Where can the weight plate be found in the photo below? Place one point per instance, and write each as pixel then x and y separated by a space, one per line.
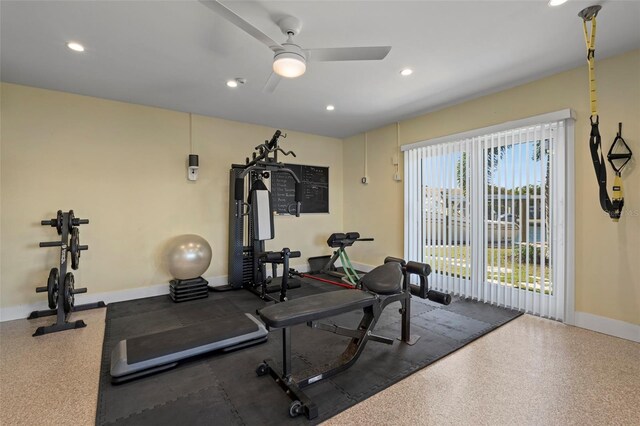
pixel 69 298
pixel 59 222
pixel 75 248
pixel 71 217
pixel 52 287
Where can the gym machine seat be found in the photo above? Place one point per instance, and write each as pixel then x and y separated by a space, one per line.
pixel 275 283
pixel 382 286
pixel 144 355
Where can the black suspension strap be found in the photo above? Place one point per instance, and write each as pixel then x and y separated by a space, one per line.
pixel 614 205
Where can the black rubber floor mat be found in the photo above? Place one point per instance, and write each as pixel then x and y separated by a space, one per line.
pixel 224 388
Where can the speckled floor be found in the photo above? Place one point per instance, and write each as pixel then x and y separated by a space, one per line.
pixel 530 371
pixel 50 379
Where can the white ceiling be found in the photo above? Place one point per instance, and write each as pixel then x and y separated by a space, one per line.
pixel 179 54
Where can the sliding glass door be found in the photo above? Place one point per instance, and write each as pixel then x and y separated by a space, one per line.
pixel 487 213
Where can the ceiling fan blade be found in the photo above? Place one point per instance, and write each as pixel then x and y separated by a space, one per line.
pixel 372 53
pixel 239 22
pixel 271 83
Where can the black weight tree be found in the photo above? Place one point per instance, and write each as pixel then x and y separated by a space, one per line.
pixel 61 295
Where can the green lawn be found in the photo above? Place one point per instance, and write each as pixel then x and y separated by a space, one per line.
pixel 453 260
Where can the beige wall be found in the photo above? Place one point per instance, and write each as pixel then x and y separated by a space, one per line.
pixel 129 165
pixel 375 209
pixel 607 254
pixel 123 166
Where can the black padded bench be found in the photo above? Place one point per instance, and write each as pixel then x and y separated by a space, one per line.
pixel 385 284
pixel 315 307
pixel 340 239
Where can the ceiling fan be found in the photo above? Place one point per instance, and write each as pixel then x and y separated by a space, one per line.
pixel 289 59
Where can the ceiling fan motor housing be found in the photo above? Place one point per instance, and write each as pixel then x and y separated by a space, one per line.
pixel 291 49
pixel 290 25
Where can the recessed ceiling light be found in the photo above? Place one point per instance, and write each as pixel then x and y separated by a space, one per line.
pixel 236 82
pixel 405 72
pixel 557 2
pixel 330 107
pixel 75 46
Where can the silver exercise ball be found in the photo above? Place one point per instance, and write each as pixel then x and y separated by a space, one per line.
pixel 189 256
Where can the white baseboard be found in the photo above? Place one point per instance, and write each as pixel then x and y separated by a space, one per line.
pixel 592 322
pixel 612 327
pixel 218 281
pixel 22 311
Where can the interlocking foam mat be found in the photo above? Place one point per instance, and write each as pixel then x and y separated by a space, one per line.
pixel 224 388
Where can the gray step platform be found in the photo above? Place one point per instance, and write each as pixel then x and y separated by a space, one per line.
pixel 143 355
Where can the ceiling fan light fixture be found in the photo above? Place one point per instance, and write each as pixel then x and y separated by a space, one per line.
pixel 557 2
pixel 406 72
pixel 289 64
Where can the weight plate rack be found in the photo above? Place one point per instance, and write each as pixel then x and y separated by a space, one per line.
pixel 60 286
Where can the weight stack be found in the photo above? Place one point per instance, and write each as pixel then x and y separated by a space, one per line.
pixel 191 289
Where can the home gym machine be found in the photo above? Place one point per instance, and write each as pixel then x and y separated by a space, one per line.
pixel 326 265
pixel 251 223
pixel 62 300
pixel 378 289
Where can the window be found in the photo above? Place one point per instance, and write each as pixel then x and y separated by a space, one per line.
pixel 487 210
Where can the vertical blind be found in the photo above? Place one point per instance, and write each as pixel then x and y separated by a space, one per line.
pixel 487 213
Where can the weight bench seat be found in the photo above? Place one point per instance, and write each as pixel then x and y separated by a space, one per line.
pixel 385 279
pixel 315 307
